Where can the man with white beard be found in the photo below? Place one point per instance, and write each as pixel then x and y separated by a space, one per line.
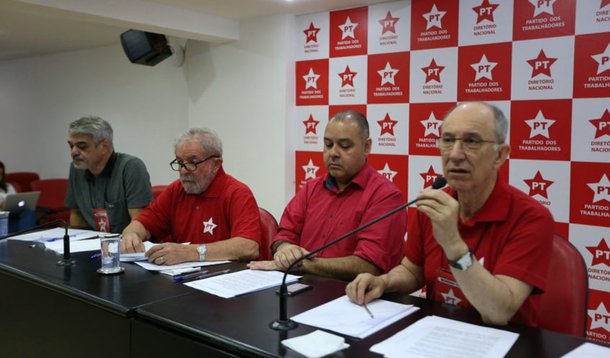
pixel 206 207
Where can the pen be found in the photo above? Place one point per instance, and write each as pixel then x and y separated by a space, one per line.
pixel 199 275
pixel 367 310
pixel 95 256
pixel 190 276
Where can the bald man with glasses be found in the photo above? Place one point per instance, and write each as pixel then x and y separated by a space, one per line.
pixel 480 242
pixel 207 208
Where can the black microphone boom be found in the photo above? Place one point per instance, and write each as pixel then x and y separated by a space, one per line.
pixel 284 323
pixel 66 260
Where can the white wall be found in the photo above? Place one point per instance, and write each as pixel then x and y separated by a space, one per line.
pixel 240 90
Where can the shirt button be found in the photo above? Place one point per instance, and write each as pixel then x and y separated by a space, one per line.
pixel 330 215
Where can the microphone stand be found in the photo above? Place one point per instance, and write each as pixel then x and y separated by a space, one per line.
pixel 284 323
pixel 65 261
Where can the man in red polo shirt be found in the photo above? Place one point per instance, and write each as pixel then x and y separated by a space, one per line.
pixel 207 208
pixel 351 194
pixel 480 242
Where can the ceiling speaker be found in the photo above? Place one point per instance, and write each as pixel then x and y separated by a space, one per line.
pixel 145 48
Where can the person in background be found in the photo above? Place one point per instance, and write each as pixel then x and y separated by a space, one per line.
pixel 351 194
pixel 18 221
pixel 480 242
pixel 106 189
pixel 205 215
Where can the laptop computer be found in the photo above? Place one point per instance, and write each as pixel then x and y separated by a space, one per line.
pixel 21 201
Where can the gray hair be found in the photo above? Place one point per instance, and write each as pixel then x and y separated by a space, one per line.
pixel 209 140
pixel 94 126
pixel 500 121
pixel 356 117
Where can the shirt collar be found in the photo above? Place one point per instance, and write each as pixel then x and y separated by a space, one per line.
pixel 359 180
pixel 495 208
pixel 107 171
pixel 217 185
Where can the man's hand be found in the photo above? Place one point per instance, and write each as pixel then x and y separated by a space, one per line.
pixel 286 254
pixel 171 253
pixel 443 211
pixel 269 265
pixel 365 288
pixel 131 243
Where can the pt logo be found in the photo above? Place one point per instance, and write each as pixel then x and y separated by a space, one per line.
pixel 347 77
pixel 312 33
pixel 433 71
pixel 429 177
pixel 347 29
pixel 483 68
pixel 602 125
pixel 310 125
pixel 387 125
pixel 600 317
pixel 311 170
pixel 603 60
pixel 541 64
pixel 601 253
pixel 388 23
pixel 543 6
pixel 538 185
pixel 451 298
pixel 432 126
pixel 485 11
pixel 311 79
pixel 433 18
pixel 601 189
pixel 209 226
pixel 540 125
pixel 387 75
pixel 387 172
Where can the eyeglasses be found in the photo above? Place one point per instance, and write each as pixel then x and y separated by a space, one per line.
pixel 471 143
pixel 189 166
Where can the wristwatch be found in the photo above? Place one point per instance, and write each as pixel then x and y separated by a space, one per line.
pixel 463 263
pixel 201 249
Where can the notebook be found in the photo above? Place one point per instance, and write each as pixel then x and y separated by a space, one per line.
pixel 21 201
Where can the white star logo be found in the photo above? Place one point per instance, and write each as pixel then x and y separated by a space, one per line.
pixel 209 226
pixel 450 297
pixel 387 74
pixel 387 172
pixel 311 79
pixel 601 190
pixel 432 126
pixel 348 29
pixel 603 60
pixel 310 170
pixel 542 6
pixel 600 317
pixel 434 18
pixel 483 68
pixel 540 125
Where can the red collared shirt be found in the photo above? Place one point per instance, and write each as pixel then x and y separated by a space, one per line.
pixel 320 213
pixel 510 235
pixel 226 209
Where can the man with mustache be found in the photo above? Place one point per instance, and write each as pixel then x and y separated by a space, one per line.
pixel 207 208
pixel 351 194
pixel 480 242
pixel 106 189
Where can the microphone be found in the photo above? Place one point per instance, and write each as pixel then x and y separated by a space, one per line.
pixel 284 323
pixel 66 261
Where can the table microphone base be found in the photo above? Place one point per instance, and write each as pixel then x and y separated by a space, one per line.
pixel 64 262
pixel 281 325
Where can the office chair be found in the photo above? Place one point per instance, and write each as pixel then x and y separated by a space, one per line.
pixel 23 179
pixel 51 202
pixel 563 305
pixel 268 229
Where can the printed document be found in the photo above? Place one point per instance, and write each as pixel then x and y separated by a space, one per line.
pixel 240 282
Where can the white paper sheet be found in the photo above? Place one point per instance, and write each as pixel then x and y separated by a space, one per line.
pixel 241 282
pixel 75 246
pixel 152 267
pixel 589 350
pixel 433 336
pixel 344 316
pixel 316 344
pixel 57 234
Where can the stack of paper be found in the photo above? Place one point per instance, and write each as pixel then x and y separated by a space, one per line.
pixel 241 282
pixel 344 316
